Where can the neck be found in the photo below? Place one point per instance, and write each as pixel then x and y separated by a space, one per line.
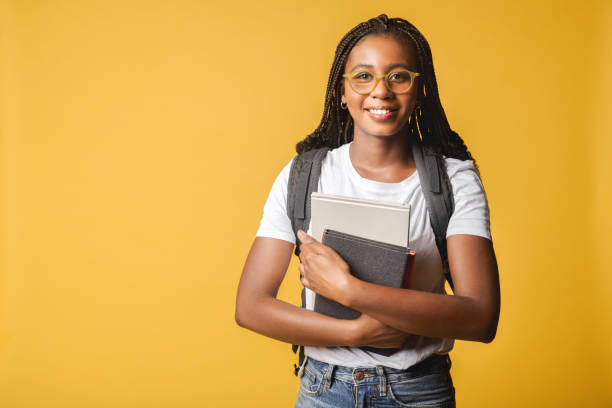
pixel 380 151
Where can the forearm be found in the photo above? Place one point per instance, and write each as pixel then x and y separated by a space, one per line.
pixel 471 314
pixel 423 313
pixel 285 322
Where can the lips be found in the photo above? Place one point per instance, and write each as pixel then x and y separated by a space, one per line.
pixel 381 110
pixel 382 113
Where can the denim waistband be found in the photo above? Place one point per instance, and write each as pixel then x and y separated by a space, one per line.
pixel 362 375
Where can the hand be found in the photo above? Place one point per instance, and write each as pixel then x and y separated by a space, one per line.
pixel 322 269
pixel 371 332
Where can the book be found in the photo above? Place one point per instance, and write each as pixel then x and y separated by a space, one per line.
pixel 371 261
pixel 373 239
pixel 378 220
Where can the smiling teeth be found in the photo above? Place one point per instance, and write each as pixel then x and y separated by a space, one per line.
pixel 380 111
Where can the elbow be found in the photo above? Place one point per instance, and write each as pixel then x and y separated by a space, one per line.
pixel 483 327
pixel 246 312
pixel 241 315
pixel 488 329
pixel 488 336
pixel 238 317
pixel 481 334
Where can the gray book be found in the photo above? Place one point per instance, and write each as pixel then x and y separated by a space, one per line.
pixel 371 261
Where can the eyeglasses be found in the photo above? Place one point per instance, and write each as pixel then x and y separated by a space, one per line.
pixel 398 81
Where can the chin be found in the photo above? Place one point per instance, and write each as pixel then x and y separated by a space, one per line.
pixel 382 132
pixel 381 129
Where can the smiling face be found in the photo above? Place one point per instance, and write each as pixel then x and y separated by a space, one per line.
pixel 380 113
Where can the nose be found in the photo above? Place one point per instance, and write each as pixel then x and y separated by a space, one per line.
pixel 381 91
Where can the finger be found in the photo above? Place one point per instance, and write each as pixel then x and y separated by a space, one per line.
pixel 306 258
pixel 304 252
pixel 313 247
pixel 305 238
pixel 310 241
pixel 305 249
pixel 303 277
pixel 305 282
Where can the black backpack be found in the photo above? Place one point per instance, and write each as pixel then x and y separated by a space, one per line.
pixel 431 168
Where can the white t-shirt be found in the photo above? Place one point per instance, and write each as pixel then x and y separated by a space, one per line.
pixel 339 177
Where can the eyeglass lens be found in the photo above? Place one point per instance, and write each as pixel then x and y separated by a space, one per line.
pixel 397 81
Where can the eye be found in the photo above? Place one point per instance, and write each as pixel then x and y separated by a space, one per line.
pixel 399 76
pixel 362 76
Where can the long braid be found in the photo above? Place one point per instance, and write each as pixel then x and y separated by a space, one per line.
pixel 428 122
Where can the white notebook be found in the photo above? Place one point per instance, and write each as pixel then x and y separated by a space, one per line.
pixel 378 220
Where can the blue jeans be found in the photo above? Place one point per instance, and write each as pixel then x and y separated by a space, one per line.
pixel 426 384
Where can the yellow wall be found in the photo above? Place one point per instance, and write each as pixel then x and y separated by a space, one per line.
pixel 139 141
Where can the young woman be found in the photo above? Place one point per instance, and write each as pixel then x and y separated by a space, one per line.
pixel 381 97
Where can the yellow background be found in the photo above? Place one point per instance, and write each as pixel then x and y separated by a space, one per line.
pixel 139 141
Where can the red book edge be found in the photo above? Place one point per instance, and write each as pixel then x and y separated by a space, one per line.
pixel 409 270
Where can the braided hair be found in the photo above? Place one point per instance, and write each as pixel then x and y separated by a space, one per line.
pixel 427 123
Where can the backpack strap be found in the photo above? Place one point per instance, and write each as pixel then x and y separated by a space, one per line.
pixel 303 180
pixel 438 193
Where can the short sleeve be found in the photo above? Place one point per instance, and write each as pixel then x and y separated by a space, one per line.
pixel 275 222
pixel 471 214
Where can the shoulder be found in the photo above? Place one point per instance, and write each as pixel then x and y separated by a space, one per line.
pixel 471 209
pixel 279 186
pixel 329 157
pixel 463 173
pixel 454 166
pixel 275 222
pixel 284 173
pixel 278 191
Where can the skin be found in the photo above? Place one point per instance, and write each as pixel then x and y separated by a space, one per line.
pixel 389 315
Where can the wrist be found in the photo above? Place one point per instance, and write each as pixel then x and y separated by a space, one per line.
pixel 348 289
pixel 353 333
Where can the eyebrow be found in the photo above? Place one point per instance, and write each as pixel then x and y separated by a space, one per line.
pixel 388 67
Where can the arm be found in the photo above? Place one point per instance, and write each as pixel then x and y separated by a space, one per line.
pixel 258 309
pixel 471 314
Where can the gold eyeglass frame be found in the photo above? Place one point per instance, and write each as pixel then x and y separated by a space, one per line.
pixel 377 78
